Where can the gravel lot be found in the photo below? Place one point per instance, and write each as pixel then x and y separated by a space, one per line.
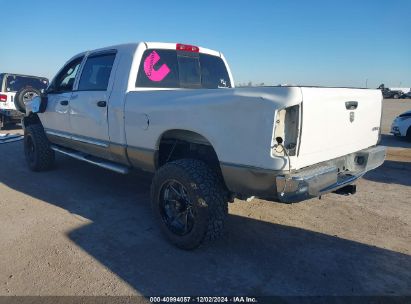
pixel 82 230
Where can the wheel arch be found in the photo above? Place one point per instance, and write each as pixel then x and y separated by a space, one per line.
pixel 181 136
pixel 30 120
pixel 177 144
pixel 184 134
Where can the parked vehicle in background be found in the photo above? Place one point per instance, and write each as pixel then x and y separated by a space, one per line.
pixel 15 91
pixel 406 95
pixel 387 93
pixel 172 109
pixel 401 126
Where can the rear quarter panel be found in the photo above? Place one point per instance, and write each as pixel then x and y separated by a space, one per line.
pixel 237 122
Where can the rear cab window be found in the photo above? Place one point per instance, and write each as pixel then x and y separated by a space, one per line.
pixel 165 68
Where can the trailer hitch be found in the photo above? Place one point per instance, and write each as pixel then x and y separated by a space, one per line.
pixel 347 190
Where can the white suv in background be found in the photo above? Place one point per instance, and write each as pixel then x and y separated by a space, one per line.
pixel 401 126
pixel 15 91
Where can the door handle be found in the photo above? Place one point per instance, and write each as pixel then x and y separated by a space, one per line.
pixel 101 104
pixel 351 105
pixel 64 102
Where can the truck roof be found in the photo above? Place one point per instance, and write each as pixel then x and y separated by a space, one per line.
pixel 150 45
pixel 137 49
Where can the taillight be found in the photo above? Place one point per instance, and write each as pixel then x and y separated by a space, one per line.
pixel 187 48
pixel 287 128
pixel 3 97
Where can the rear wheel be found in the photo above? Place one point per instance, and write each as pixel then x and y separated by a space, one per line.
pixel 39 155
pixel 189 202
pixel 396 96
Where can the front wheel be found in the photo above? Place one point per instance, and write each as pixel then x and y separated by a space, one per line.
pixel 39 155
pixel 188 200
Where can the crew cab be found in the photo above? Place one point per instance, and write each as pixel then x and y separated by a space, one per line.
pixel 15 91
pixel 172 109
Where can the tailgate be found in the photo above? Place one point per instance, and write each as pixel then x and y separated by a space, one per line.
pixel 336 122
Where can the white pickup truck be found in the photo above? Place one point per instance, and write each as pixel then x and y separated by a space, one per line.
pixel 172 109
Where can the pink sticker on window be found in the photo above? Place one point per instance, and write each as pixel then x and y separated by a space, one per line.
pixel 152 74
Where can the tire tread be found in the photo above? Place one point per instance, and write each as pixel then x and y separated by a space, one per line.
pixel 210 189
pixel 45 155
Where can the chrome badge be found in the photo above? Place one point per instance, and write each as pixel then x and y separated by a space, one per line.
pixel 352 116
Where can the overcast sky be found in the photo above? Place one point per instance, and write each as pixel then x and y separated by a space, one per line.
pixel 316 42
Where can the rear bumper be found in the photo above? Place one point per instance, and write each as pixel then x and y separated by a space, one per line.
pixel 313 182
pixel 306 183
pixel 11 114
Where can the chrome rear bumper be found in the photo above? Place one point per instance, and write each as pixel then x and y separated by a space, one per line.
pixel 329 176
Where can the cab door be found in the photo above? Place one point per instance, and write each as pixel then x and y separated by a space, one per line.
pixel 89 104
pixel 56 118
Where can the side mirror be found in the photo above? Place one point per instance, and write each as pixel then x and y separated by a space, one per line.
pixel 43 103
pixel 37 105
pixel 50 88
pixel 33 105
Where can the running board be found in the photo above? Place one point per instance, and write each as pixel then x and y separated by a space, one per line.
pixel 92 160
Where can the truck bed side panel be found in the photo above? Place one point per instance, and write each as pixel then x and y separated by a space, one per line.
pixel 237 122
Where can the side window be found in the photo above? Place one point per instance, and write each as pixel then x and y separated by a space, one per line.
pixel 96 72
pixel 65 79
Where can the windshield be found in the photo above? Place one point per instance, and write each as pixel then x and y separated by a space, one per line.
pixel 174 69
pixel 16 82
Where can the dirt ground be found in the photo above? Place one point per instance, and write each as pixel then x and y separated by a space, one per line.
pixel 82 230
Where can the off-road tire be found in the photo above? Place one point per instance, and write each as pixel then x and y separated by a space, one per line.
pixel 206 193
pixel 19 99
pixel 39 155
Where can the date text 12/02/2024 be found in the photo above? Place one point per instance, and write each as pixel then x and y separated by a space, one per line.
pixel 203 300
